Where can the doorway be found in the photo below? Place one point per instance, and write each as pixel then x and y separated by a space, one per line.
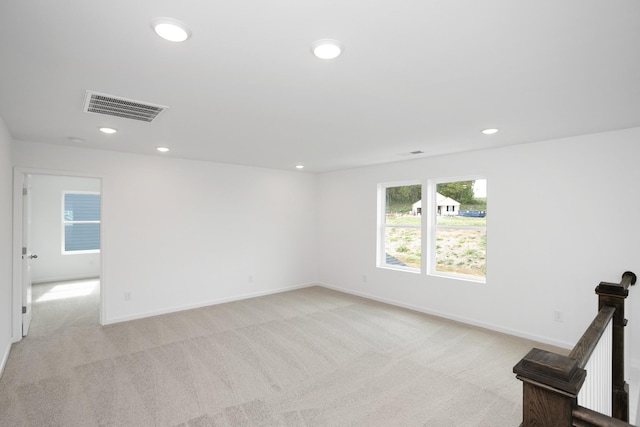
pixel 57 242
pixel 61 306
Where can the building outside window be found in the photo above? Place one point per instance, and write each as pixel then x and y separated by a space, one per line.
pixel 80 222
pixel 458 232
pixel 446 236
pixel 400 232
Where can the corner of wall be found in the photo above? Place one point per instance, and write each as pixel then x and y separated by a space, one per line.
pixel 6 231
pixel 5 357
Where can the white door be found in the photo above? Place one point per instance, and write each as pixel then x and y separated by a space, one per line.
pixel 27 255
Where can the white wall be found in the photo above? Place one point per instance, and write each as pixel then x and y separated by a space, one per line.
pixel 6 212
pixel 540 258
pixel 634 394
pixel 179 233
pixel 46 230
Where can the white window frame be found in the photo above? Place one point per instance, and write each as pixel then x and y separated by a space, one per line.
pixel 428 228
pixel 432 227
pixel 64 222
pixel 382 226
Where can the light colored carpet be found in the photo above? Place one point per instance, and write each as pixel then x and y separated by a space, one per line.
pixel 309 357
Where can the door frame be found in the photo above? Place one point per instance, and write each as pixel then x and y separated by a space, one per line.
pixel 18 179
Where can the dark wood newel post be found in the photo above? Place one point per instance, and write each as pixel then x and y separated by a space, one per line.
pixel 613 295
pixel 550 386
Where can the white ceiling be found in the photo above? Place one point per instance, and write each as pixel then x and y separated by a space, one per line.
pixel 415 75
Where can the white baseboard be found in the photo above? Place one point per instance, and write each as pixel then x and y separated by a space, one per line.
pixel 205 303
pixel 473 322
pixel 5 358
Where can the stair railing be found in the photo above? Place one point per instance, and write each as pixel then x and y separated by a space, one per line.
pixel 587 387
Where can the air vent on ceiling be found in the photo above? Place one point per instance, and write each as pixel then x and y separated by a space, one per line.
pixel 100 103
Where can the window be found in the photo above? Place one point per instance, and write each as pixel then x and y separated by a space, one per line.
pixel 400 236
pixel 459 229
pixel 455 214
pixel 80 223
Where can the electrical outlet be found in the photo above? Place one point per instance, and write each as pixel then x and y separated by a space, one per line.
pixel 558 316
pixel 364 278
pixel 127 296
pixel 250 278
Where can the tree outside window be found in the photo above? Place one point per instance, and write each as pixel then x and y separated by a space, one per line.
pixel 454 213
pixel 402 228
pixel 459 237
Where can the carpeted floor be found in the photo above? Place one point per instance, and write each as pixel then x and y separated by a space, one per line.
pixel 309 357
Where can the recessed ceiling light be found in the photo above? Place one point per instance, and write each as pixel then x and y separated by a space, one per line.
pixel 108 130
pixel 162 149
pixel 170 29
pixel 490 131
pixel 327 49
pixel 299 166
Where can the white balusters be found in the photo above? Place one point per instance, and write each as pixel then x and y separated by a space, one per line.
pixel 595 393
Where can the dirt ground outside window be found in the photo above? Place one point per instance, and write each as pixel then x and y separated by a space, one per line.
pixel 458 250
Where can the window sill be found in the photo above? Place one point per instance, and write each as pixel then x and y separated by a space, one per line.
pixel 80 252
pixel 463 277
pixel 403 269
